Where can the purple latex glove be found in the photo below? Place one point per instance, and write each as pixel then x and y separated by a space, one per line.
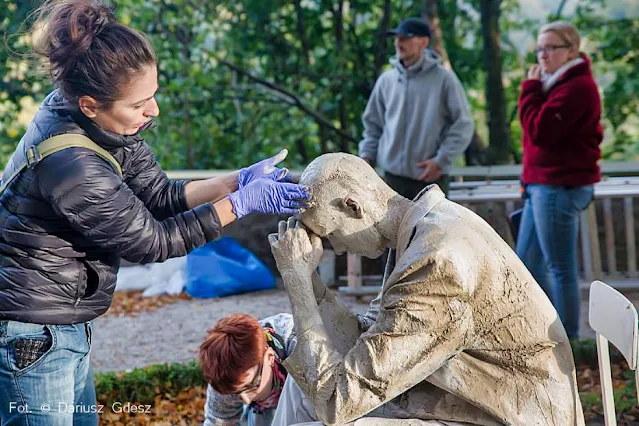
pixel 269 197
pixel 265 168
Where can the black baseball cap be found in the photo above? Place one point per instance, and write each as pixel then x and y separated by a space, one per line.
pixel 411 27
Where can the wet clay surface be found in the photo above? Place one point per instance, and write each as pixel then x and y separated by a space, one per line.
pixel 461 331
pixel 352 206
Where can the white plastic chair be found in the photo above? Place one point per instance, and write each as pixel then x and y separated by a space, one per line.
pixel 614 319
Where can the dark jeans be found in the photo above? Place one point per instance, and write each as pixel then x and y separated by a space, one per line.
pixel 409 188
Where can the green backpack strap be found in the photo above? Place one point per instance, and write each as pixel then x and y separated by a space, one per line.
pixel 57 143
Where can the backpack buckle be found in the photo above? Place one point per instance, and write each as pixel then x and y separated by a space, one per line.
pixel 33 156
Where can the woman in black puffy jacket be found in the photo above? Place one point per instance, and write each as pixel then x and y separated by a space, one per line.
pixel 68 218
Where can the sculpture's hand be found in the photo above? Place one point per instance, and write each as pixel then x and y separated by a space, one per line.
pixel 296 251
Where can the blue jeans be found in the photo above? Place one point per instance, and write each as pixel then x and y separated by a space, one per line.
pixel 547 244
pixel 45 375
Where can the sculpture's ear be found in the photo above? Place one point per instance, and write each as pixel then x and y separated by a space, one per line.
pixel 353 207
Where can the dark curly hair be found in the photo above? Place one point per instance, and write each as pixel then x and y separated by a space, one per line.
pixel 88 51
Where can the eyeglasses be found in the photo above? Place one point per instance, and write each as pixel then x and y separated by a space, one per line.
pixel 255 384
pixel 550 48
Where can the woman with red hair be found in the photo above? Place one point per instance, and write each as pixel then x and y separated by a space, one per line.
pixel 241 359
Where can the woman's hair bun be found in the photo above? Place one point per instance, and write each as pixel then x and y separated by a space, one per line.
pixel 103 17
pixel 88 51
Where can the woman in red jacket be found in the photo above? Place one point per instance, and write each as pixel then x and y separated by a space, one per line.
pixel 560 113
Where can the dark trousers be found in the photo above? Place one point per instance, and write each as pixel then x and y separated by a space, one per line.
pixel 409 188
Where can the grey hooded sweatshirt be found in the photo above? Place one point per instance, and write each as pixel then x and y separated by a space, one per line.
pixel 416 114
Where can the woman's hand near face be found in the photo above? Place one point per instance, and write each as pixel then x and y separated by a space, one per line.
pixel 534 73
pixel 268 196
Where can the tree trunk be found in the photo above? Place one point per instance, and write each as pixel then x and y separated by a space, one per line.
pixel 301 31
pixel 323 138
pixel 338 14
pixel 437 40
pixel 476 153
pixel 560 10
pixel 380 46
pixel 495 96
pixel 301 149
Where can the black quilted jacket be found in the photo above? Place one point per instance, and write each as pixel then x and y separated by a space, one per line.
pixel 66 222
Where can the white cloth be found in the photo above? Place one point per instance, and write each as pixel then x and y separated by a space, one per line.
pixel 167 277
pixel 549 80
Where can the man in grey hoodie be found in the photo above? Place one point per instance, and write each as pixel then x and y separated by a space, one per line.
pixel 417 119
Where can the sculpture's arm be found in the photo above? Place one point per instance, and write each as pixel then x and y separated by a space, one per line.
pixel 423 321
pixel 414 335
pixel 340 323
pixel 311 301
pixel 297 255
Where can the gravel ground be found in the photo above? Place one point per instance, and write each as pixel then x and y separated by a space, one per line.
pixel 174 332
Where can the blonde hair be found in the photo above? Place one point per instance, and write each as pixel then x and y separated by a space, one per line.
pixel 564 30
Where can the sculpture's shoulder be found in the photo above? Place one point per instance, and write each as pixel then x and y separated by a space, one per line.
pixel 443 233
pixel 432 259
pixel 454 242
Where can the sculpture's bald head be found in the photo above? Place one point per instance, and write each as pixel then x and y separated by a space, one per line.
pixel 349 201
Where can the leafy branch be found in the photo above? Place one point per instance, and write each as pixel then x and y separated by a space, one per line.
pixel 286 96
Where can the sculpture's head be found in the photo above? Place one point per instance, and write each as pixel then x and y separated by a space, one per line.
pixel 350 201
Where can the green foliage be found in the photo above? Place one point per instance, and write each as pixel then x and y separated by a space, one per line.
pixel 327 54
pixel 625 401
pixel 590 401
pixel 615 60
pixel 141 385
pixel 626 397
pixel 18 80
pixel 584 352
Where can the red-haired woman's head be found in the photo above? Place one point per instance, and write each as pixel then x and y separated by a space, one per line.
pixel 231 351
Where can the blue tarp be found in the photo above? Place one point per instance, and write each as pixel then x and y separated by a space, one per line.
pixel 223 267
